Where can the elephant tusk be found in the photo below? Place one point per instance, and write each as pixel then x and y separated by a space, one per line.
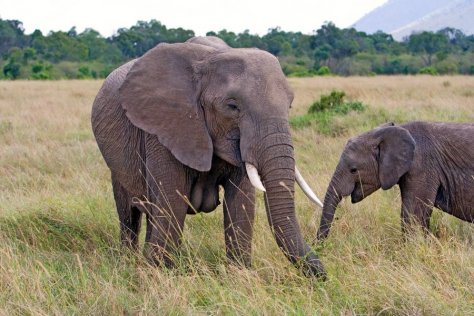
pixel 254 177
pixel 306 189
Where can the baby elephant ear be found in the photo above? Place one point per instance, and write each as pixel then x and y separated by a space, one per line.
pixel 396 151
pixel 160 97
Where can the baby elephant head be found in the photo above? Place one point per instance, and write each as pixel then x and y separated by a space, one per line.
pixel 377 158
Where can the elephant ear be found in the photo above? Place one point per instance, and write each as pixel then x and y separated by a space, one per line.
pixel 160 96
pixel 396 151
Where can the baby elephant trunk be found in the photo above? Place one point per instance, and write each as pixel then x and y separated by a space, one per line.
pixel 338 187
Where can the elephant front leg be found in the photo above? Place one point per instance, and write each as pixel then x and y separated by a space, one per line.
pixel 417 204
pixel 239 214
pixel 168 188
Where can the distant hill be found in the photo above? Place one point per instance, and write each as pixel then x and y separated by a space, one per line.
pixel 403 17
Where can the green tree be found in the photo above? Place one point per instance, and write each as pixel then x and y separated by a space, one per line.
pixel 11 35
pixel 12 67
pixel 144 35
pixel 98 48
pixel 332 45
pixel 278 42
pixel 246 39
pixel 229 37
pixel 427 44
pixel 29 53
pixel 458 41
pixel 59 46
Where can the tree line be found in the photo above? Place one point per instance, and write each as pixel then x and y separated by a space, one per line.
pixel 329 50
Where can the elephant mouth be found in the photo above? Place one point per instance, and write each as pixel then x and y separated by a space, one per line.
pixel 357 193
pixel 356 197
pixel 361 191
pixel 229 151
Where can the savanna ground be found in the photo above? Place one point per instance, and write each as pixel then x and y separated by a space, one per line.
pixel 59 247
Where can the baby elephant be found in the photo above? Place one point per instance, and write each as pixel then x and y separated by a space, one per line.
pixel 433 163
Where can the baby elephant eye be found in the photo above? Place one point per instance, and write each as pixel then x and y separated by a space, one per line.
pixel 353 170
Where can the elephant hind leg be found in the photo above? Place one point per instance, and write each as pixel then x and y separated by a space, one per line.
pixel 129 215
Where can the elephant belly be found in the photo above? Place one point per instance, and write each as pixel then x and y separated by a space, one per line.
pixel 465 213
pixel 460 205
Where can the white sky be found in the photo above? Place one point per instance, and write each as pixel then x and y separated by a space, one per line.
pixel 201 16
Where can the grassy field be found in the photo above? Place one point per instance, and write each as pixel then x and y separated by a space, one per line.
pixel 59 249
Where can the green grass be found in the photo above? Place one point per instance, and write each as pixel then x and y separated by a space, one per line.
pixel 59 247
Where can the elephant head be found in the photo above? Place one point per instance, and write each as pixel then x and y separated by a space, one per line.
pixel 202 98
pixel 375 159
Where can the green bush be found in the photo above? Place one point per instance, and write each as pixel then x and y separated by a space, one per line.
pixel 301 74
pixel 83 72
pixel 428 71
pixel 11 69
pixel 471 70
pixel 324 71
pixel 41 70
pixel 334 102
pixel 328 102
pixel 447 67
pixel 324 111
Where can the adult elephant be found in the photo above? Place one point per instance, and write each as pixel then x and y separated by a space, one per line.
pixel 184 119
pixel 431 162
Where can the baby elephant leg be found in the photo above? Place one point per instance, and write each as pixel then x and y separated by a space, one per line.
pixel 417 204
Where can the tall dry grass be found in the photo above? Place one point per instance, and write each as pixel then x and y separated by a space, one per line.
pixel 59 249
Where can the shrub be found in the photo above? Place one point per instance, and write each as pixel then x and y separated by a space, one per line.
pixel 11 70
pixel 447 67
pixel 301 74
pixel 83 72
pixel 324 111
pixel 471 70
pixel 37 67
pixel 41 70
pixel 324 71
pixel 428 71
pixel 334 102
pixel 326 102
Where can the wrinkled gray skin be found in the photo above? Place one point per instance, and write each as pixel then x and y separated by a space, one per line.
pixel 433 164
pixel 179 122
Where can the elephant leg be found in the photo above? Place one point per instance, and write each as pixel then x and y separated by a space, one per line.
pixel 239 214
pixel 129 216
pixel 168 183
pixel 417 204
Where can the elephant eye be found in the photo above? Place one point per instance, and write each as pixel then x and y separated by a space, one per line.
pixel 232 105
pixel 353 170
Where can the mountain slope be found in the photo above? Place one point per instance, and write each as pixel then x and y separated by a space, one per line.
pixel 403 17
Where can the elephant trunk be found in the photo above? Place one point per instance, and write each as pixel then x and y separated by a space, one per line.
pixel 337 188
pixel 276 165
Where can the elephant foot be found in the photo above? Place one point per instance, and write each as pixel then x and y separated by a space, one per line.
pixel 158 256
pixel 243 261
pixel 129 242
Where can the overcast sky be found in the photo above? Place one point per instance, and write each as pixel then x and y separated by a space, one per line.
pixel 201 16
